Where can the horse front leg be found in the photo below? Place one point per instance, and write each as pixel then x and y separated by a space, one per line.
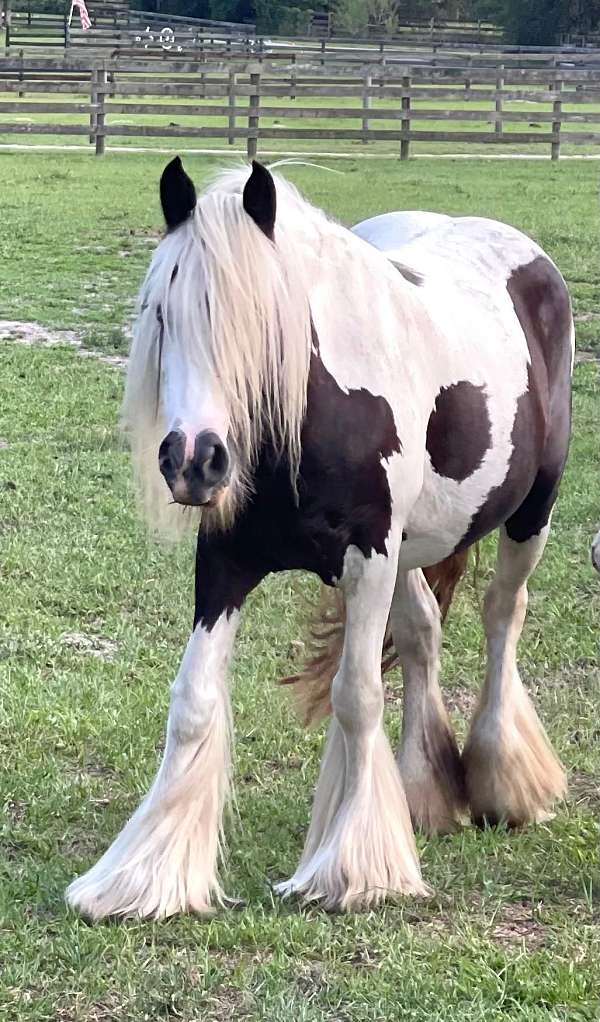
pixel 360 846
pixel 166 858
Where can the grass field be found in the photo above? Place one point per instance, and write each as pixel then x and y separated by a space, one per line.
pixel 93 622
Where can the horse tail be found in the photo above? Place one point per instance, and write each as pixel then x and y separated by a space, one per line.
pixel 312 685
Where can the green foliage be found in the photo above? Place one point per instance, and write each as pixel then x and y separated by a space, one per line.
pixel 41 6
pixel 231 10
pixel 383 15
pixel 352 16
pixel 526 22
pixel 541 22
pixel 270 16
pixel 357 16
pixel 283 19
pixel 535 22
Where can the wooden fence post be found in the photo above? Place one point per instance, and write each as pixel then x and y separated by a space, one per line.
pixel 366 103
pixel 556 123
pixel 498 103
pixel 101 81
pixel 293 78
pixel 323 43
pixel 405 122
pixel 21 72
pixel 93 101
pixel 468 75
pixel 231 94
pixel 253 114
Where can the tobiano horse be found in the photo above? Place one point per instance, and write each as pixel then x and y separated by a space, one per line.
pixel 364 405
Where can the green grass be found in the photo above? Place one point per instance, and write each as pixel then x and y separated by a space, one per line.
pixel 102 217
pixel 95 617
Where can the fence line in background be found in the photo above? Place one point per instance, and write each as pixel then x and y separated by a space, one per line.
pixel 140 32
pixel 246 101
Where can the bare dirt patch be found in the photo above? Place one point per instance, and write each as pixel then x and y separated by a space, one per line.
pixel 585 356
pixel 73 1009
pixel 584 789
pixel 311 978
pixel 15 809
pixel 21 332
pixel 91 645
pixel 230 1003
pixel 460 701
pixel 34 334
pixel 518 924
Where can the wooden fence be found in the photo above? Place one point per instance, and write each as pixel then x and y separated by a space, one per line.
pixel 248 102
pixel 140 34
pixel 117 32
pixel 301 56
pixel 434 30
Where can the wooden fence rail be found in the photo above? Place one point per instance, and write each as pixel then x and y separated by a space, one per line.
pixel 248 105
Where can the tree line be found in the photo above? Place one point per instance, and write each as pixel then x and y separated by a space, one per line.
pixel 525 22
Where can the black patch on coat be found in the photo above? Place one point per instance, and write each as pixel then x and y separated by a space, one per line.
pixel 459 430
pixel 177 194
pixel 343 499
pixel 542 424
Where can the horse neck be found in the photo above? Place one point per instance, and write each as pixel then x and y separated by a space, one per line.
pixel 358 290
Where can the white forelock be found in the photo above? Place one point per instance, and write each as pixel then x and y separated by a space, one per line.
pixel 238 311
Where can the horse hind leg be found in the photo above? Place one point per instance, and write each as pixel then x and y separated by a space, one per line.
pixel 428 757
pixel 512 774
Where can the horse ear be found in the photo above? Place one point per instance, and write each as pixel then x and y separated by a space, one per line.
pixel 177 194
pixel 260 199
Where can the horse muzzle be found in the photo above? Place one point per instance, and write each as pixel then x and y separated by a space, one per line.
pixel 201 479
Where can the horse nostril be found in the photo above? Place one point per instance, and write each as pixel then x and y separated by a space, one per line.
pixel 171 453
pixel 218 463
pixel 211 459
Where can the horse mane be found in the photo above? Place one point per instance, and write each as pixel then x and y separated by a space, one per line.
pixel 243 317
